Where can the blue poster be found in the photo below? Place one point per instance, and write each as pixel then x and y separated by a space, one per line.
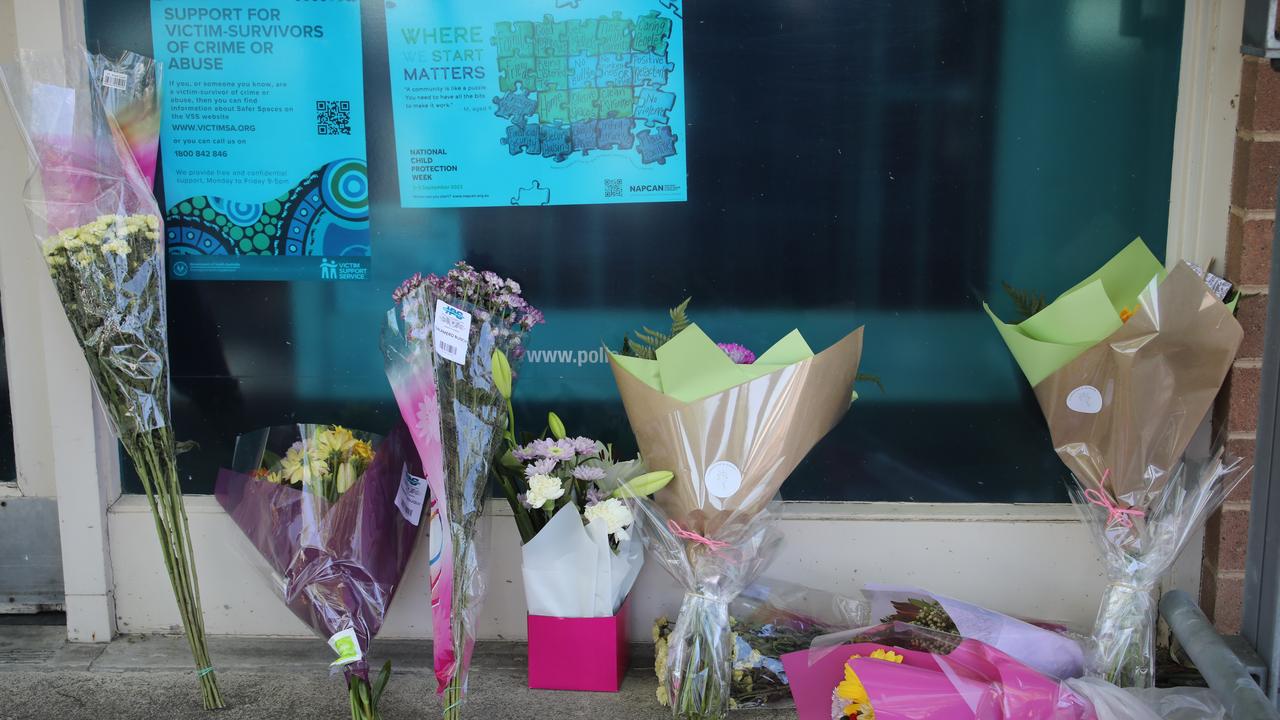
pixel 262 139
pixel 537 102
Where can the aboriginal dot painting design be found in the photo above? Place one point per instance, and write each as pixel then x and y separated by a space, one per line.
pixel 326 214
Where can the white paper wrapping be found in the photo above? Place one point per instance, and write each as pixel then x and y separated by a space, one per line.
pixel 570 571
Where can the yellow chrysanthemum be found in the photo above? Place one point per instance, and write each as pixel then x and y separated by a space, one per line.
pixel 858 704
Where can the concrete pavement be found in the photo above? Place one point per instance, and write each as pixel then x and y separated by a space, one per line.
pixel 42 676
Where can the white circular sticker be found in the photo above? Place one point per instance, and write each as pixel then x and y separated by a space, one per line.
pixel 1085 399
pixel 723 479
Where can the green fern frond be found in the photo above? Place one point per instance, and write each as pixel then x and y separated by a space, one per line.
pixel 1026 302
pixel 679 317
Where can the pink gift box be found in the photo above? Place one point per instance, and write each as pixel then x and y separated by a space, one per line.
pixel 578 653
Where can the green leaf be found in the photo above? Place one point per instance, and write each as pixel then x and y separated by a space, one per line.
pixel 381 683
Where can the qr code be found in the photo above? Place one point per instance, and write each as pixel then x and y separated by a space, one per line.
pixel 613 187
pixel 333 117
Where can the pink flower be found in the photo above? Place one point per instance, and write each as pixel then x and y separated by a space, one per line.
pixel 737 353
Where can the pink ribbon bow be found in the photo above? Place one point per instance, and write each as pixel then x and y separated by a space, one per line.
pixel 715 546
pixel 1115 513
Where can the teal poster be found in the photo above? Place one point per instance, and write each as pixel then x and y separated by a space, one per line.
pixel 546 102
pixel 263 139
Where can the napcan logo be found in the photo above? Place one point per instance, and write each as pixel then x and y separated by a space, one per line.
pixel 669 188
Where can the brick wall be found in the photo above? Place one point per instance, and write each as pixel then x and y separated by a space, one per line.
pixel 1248 264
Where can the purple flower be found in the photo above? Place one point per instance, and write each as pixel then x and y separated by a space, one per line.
pixel 594 496
pixel 737 353
pixel 585 446
pixel 413 283
pixel 525 453
pixel 540 467
pixel 588 473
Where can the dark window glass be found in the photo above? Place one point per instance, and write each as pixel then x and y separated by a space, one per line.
pixel 879 163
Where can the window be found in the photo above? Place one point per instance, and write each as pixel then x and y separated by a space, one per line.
pixel 876 163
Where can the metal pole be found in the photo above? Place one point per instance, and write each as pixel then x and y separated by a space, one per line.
pixel 1227 676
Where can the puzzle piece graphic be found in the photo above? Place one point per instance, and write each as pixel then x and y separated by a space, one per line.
pixel 513 39
pixel 550 38
pixel 582 37
pixel 583 104
pixel 650 69
pixel 656 145
pixel 652 105
pixel 515 106
pixel 617 102
pixel 650 33
pixel 557 141
pixel 613 69
pixel 673 6
pixel 615 133
pixel 567 3
pixel 584 136
pixel 582 71
pixel 551 73
pixel 553 106
pixel 515 72
pixel 535 195
pixel 525 139
pixel 613 34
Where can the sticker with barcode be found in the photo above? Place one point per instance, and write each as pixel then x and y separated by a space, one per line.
pixel 452 332
pixel 413 490
pixel 115 80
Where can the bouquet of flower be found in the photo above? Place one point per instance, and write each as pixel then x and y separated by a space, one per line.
pixel 731 433
pixel 768 620
pixel 1050 651
pixel 334 514
pixel 93 211
pixel 582 559
pixel 1126 366
pixel 898 671
pixel 450 345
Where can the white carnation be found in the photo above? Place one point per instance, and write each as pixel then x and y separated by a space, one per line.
pixel 615 514
pixel 543 489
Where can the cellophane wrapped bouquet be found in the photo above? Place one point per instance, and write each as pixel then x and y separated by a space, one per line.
pixel 768 620
pixel 731 432
pixel 900 671
pixel 93 212
pixel 1048 647
pixel 333 514
pixel 1126 366
pixel 450 346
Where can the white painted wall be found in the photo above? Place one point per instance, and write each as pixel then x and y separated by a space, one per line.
pixel 1031 560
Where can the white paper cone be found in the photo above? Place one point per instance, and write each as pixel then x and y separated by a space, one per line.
pixel 559 568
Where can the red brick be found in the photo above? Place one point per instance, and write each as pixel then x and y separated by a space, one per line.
pixel 1226 538
pixel 1243 449
pixel 1252 314
pixel 1249 250
pixel 1243 387
pixel 1253 179
pixel 1255 252
pixel 1259 98
pixel 1248 94
pixel 1228 604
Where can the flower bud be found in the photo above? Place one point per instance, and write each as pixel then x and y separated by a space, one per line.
pixel 557 426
